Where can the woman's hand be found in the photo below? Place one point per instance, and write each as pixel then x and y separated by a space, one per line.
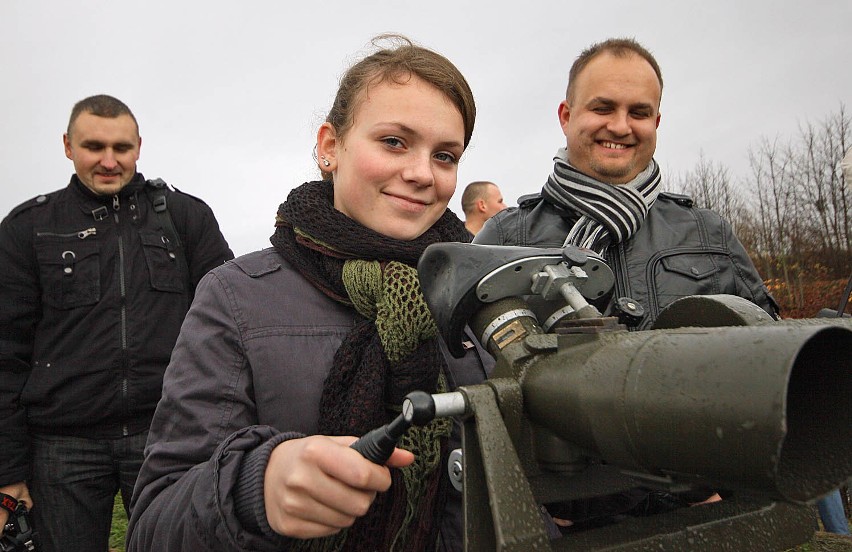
pixel 317 485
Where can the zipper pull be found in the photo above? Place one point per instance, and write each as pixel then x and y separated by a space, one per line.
pixel 83 234
pixel 115 205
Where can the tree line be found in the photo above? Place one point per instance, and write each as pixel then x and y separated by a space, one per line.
pixel 793 212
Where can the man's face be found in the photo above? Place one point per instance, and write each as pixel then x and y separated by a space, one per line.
pixel 104 151
pixel 611 122
pixel 493 201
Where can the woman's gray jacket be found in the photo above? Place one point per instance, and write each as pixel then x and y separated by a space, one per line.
pixel 246 374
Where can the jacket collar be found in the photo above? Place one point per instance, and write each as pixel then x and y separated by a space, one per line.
pixel 89 202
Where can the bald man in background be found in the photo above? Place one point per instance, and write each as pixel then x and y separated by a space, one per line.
pixel 481 200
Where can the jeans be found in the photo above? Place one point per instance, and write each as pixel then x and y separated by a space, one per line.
pixel 73 486
pixel 831 513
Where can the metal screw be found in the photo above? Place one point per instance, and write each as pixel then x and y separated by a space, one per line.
pixel 455 469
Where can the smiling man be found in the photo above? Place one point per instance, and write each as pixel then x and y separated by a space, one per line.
pixel 96 280
pixel 604 194
pixel 611 114
pixel 104 150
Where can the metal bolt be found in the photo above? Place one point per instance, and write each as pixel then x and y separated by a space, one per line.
pixel 455 469
pixel 407 410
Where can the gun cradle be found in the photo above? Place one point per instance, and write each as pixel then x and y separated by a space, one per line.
pixel 760 408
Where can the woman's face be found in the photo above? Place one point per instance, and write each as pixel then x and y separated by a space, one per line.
pixel 395 169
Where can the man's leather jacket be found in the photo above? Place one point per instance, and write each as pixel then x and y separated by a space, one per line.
pixel 679 250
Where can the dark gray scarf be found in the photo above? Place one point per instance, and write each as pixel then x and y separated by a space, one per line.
pixel 608 213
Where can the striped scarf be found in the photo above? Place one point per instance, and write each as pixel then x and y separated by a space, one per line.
pixel 608 213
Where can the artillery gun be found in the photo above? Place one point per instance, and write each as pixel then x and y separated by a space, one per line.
pixel 717 395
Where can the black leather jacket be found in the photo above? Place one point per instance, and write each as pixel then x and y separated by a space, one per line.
pixel 679 250
pixel 90 307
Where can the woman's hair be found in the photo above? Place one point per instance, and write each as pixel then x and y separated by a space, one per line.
pixel 397 64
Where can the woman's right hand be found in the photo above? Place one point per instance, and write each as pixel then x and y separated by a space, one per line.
pixel 316 486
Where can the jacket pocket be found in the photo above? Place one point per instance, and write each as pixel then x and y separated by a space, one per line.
pixel 682 274
pixel 69 266
pixel 693 267
pixel 163 268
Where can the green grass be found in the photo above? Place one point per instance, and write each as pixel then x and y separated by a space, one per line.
pixel 119 526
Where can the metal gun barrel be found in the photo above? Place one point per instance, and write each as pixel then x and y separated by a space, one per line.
pixel 767 407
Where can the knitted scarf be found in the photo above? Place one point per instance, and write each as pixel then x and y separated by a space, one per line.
pixel 391 351
pixel 608 213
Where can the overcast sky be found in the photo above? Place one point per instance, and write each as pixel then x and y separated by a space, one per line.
pixel 229 94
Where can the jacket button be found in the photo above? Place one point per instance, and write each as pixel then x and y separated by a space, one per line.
pixel 41 199
pixel 694 270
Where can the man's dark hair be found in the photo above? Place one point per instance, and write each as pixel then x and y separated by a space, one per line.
pixel 618 47
pixel 100 106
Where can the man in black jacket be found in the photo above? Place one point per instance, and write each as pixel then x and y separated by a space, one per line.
pixel 605 195
pixel 96 280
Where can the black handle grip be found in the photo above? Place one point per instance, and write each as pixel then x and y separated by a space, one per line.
pixel 377 445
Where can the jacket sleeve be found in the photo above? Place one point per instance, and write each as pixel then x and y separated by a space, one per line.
pixel 20 310
pixel 204 453
pixel 489 234
pixel 749 283
pixel 206 247
pixel 504 228
pixel 493 231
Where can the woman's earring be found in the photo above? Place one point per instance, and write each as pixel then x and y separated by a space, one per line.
pixel 325 161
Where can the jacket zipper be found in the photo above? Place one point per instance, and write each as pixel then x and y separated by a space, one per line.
pixel 82 234
pixel 616 259
pixel 615 256
pixel 116 206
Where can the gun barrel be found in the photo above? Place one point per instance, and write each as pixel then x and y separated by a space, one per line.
pixel 767 408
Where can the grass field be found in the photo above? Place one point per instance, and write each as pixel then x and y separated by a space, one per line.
pixel 119 526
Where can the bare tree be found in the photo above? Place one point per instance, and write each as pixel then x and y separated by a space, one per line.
pixel 820 182
pixel 794 211
pixel 709 184
pixel 777 210
pixel 801 212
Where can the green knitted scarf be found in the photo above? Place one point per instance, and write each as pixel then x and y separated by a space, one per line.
pixel 391 296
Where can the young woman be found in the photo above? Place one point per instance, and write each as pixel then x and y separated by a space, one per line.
pixel 288 354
